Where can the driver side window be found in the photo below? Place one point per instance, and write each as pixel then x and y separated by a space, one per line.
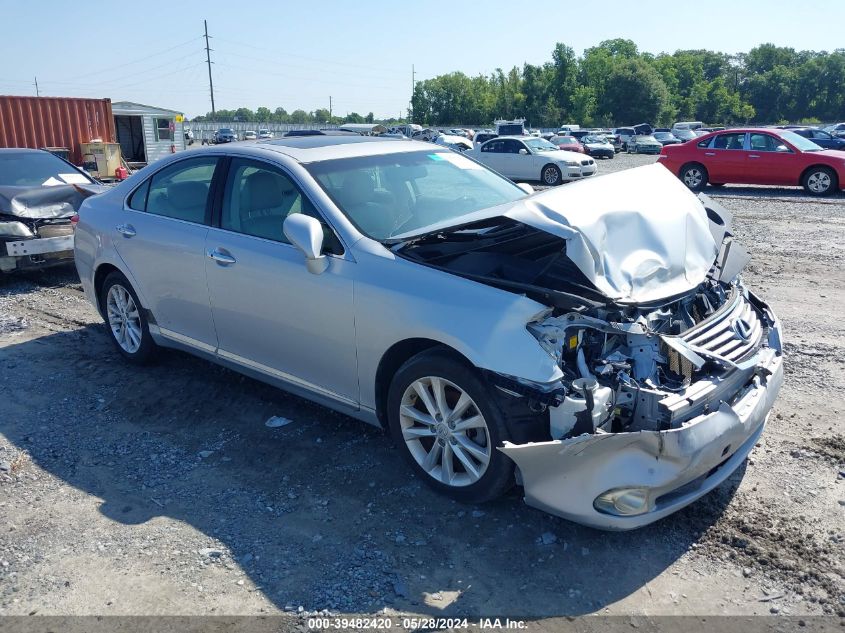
pixel 257 199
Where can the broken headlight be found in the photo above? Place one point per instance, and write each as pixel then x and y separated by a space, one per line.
pixel 15 229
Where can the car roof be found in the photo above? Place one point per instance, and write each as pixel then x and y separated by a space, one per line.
pixel 22 150
pixel 307 149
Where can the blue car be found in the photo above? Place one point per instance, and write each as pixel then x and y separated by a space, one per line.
pixel 821 138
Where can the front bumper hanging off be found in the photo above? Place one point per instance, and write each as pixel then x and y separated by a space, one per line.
pixel 671 468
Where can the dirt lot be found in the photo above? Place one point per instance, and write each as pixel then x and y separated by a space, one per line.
pixel 161 491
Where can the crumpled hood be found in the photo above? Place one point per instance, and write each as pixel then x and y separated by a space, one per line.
pixel 638 235
pixel 42 203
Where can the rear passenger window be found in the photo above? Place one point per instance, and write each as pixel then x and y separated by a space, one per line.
pixel 730 141
pixel 138 199
pixel 181 190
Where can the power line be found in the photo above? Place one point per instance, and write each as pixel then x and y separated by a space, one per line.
pixel 313 59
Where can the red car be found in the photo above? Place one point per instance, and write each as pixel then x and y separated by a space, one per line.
pixel 569 143
pixel 756 156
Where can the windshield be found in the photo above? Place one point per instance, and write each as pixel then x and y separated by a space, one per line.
pixel 565 140
pixel 684 135
pixel 225 130
pixel 662 135
pixel 38 169
pixel 540 145
pixel 801 143
pixel 392 194
pixel 594 139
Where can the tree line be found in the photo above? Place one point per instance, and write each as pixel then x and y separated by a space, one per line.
pixel 615 84
pixel 280 115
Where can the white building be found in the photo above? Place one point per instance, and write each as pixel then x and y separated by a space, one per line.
pixel 147 133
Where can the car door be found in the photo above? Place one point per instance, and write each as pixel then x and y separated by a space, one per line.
pixel 526 166
pixel 160 236
pixel 271 314
pixel 726 157
pixel 514 164
pixel 771 161
pixel 491 154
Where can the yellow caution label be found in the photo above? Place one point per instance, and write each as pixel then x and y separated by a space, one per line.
pixel 573 342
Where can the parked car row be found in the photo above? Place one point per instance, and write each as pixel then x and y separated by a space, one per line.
pixel 228 135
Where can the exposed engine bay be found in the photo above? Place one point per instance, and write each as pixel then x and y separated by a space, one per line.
pixel 627 365
pixel 651 368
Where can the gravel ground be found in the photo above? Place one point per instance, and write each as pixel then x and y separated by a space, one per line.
pixel 159 490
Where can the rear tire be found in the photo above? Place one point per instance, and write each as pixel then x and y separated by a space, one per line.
pixel 448 426
pixel 551 176
pixel 820 181
pixel 694 176
pixel 126 320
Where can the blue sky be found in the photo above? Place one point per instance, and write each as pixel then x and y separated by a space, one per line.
pixel 297 54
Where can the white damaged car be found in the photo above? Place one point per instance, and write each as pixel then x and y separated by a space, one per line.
pixel 594 343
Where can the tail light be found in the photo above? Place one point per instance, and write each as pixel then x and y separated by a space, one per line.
pixel 74 220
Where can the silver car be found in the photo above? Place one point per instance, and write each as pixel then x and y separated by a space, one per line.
pixel 592 343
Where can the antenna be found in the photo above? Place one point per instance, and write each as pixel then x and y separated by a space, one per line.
pixel 37 93
pixel 208 60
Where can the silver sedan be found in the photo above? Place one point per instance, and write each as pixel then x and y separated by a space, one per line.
pixel 592 343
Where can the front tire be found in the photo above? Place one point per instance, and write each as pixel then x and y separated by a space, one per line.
pixel 819 181
pixel 444 420
pixel 551 175
pixel 126 322
pixel 694 176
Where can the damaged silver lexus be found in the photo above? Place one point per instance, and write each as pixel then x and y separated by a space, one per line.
pixel 593 343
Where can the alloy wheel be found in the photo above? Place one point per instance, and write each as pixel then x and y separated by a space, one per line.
pixel 819 182
pixel 124 319
pixel 550 175
pixel 445 431
pixel 693 177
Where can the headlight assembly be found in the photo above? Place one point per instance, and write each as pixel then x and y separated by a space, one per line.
pixel 15 229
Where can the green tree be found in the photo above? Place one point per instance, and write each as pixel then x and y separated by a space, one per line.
pixel 635 92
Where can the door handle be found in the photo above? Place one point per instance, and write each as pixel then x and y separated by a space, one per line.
pixel 709 153
pixel 221 256
pixel 754 156
pixel 126 230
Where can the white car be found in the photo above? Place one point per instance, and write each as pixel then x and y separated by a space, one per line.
pixel 250 135
pixel 530 158
pixel 265 134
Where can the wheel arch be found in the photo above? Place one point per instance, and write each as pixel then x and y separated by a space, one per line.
pixel 829 168
pixel 556 166
pixel 100 274
pixel 397 355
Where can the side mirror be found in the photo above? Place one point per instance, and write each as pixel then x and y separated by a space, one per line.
pixel 523 151
pixel 306 233
pixel 525 187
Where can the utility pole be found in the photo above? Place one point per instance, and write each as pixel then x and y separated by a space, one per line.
pixel 413 86
pixel 37 93
pixel 210 82
pixel 330 108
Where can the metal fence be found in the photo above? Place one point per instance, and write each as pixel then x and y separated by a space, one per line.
pixel 206 129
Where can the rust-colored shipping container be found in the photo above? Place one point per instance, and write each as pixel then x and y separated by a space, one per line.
pixel 55 122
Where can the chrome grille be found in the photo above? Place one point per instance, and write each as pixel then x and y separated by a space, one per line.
pixel 734 332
